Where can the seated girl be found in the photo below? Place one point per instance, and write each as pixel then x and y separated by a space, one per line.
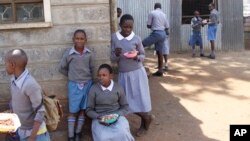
pixel 108 98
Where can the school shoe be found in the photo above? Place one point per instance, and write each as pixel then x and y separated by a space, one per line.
pixel 202 55
pixel 165 68
pixel 211 56
pixel 148 120
pixel 78 136
pixel 71 139
pixel 141 132
pixel 159 74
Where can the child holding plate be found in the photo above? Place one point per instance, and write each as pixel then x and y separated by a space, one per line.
pixel 107 105
pixel 128 51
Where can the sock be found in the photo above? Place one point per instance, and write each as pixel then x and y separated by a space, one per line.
pixel 71 126
pixel 201 50
pixel 212 53
pixel 80 123
pixel 165 64
pixel 193 50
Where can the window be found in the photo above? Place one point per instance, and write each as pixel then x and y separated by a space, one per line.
pixel 189 6
pixel 246 8
pixel 24 13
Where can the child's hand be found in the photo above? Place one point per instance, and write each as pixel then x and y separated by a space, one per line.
pixel 118 52
pixel 32 138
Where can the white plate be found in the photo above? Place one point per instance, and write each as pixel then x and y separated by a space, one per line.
pixel 14 117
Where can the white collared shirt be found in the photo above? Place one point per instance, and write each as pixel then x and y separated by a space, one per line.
pixel 110 87
pixel 73 50
pixel 120 37
pixel 20 80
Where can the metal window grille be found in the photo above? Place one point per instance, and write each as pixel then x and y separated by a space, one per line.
pixel 21 11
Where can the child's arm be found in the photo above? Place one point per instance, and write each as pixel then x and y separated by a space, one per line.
pixel 90 110
pixel 35 129
pixel 92 63
pixel 149 22
pixel 63 68
pixel 140 48
pixel 35 94
pixel 123 103
pixel 114 58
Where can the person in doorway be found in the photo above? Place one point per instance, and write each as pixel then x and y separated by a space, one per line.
pixel 212 28
pixel 196 39
pixel 119 12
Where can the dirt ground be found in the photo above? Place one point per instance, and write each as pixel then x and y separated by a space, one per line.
pixel 197 99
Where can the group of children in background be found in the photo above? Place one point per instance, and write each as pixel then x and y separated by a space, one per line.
pixel 197 23
pixel 130 95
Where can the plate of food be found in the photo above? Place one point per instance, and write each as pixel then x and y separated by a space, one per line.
pixel 9 122
pixel 109 119
pixel 204 21
pixel 131 54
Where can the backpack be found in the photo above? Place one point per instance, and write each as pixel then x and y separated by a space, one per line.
pixel 53 111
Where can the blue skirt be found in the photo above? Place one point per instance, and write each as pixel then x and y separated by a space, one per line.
pixel 77 95
pixel 135 84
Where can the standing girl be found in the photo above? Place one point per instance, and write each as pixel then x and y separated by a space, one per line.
pixel 128 52
pixel 77 65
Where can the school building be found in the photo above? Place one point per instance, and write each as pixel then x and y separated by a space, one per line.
pixel 230 33
pixel 44 29
pixel 246 14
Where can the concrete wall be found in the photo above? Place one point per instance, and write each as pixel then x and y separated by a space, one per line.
pixel 45 46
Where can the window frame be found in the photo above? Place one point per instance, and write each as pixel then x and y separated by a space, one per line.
pixel 47 17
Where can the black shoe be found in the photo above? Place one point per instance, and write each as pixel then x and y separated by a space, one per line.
pixel 71 139
pixel 202 55
pixel 158 74
pixel 165 68
pixel 211 56
pixel 78 136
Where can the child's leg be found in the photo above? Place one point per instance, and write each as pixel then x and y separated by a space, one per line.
pixel 193 50
pixel 141 131
pixel 201 49
pixel 146 120
pixel 71 125
pixel 80 122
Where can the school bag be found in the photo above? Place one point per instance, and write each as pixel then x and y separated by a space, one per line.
pixel 53 111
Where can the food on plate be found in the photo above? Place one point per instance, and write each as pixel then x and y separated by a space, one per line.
pixel 9 122
pixel 109 119
pixel 131 54
pixel 204 21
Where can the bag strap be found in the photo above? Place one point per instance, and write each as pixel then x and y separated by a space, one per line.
pixel 41 104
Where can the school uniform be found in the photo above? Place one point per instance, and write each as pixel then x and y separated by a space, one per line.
pixel 212 25
pixel 158 22
pixel 103 101
pixel 78 68
pixel 132 74
pixel 26 97
pixel 196 39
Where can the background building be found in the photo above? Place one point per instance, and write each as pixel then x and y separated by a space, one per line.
pixel 179 12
